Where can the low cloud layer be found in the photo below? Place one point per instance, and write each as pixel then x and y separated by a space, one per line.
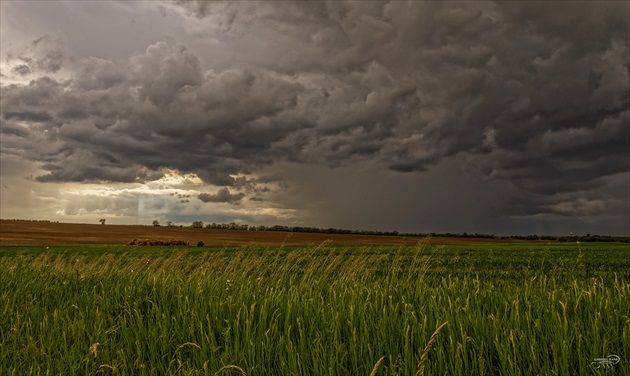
pixel 533 94
pixel 223 195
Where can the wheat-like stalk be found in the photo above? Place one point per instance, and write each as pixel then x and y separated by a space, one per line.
pixel 191 344
pixel 377 365
pixel 179 367
pixel 105 366
pixel 427 348
pixel 231 368
pixel 289 235
pixel 93 350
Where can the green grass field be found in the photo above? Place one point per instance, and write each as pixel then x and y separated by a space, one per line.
pixel 518 309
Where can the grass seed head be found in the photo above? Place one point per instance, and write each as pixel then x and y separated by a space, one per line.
pixel 94 350
pixel 427 348
pixel 231 368
pixel 186 344
pixel 377 365
pixel 103 367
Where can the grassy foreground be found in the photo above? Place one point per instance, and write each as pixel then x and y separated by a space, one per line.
pixel 509 310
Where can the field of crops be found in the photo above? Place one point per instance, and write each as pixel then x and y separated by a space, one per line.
pixel 519 309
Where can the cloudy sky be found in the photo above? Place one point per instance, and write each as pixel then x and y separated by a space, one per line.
pixel 421 116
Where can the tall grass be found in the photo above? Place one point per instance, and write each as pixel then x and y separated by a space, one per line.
pixel 312 311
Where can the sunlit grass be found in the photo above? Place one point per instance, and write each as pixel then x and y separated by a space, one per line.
pixel 314 311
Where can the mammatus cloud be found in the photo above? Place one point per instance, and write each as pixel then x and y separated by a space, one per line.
pixel 535 94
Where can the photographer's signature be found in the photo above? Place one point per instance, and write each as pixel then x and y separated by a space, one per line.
pixel 607 362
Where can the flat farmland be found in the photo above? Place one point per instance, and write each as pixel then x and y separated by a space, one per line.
pixel 79 302
pixel 517 309
pixel 25 233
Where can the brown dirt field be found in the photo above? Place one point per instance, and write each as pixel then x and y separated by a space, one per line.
pixel 27 233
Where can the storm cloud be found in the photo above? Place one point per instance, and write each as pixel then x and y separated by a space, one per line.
pixel 533 94
pixel 223 195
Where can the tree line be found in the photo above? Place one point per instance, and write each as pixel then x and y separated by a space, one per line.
pixel 330 230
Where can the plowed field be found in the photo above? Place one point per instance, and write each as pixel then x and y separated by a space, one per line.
pixel 26 233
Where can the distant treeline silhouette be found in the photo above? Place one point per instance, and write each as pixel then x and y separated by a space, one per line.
pixel 570 238
pixel 235 226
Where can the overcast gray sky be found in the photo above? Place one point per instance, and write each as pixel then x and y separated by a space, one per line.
pixel 504 118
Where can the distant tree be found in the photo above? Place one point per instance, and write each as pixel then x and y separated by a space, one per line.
pixel 169 223
pixel 156 223
pixel 102 220
pixel 197 224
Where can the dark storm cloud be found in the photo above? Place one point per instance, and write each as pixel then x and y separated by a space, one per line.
pixel 28 116
pixel 164 112
pixel 97 74
pixel 18 132
pixel 223 195
pixel 45 54
pixel 49 53
pixel 22 69
pixel 534 93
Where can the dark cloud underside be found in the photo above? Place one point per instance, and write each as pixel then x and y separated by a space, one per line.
pixel 534 93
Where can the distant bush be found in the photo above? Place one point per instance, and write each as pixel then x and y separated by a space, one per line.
pixel 200 244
